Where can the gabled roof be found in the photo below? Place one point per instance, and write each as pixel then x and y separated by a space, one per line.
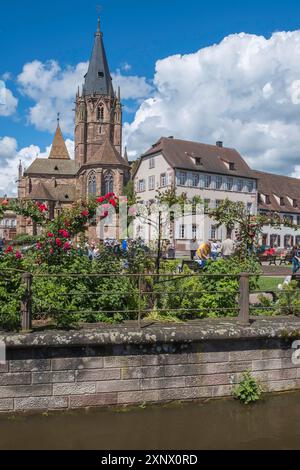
pixel 98 79
pixel 285 187
pixel 45 192
pixel 108 155
pixel 40 192
pixel 59 150
pixel 182 154
pixel 53 167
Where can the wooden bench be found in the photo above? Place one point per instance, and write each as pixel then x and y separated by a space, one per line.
pixel 287 259
pixel 268 258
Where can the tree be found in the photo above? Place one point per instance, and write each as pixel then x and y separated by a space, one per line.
pixel 248 228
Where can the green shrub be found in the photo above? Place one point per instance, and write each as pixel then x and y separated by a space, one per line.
pixel 289 300
pixel 205 296
pixel 248 390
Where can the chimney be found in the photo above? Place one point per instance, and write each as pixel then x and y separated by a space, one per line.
pixel 219 144
pixel 171 137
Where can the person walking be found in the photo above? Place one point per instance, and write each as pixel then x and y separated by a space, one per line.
pixel 296 259
pixel 214 250
pixel 228 248
pixel 193 248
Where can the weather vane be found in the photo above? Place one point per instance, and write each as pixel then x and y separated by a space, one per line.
pixel 58 118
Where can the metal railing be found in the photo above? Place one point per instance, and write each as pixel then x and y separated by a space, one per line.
pixel 242 308
pixel 148 294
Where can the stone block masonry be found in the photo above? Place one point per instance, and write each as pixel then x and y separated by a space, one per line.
pixel 126 365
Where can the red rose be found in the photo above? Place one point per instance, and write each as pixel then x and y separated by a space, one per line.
pixel 85 213
pixel 108 195
pixel 67 246
pixel 64 233
pixel 112 202
pixel 58 242
pixel 100 199
pixel 104 214
pixel 18 255
pixel 9 249
pixel 51 251
pixel 38 246
pixel 50 235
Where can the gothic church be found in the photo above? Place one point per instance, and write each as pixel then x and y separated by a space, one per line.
pixel 98 167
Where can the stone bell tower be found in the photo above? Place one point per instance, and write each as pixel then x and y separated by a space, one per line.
pixel 98 109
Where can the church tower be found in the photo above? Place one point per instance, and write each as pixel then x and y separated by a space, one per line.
pixel 98 128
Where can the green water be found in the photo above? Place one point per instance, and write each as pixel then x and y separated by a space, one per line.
pixel 273 423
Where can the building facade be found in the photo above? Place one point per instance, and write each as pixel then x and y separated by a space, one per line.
pixel 216 173
pixel 98 166
pixel 8 226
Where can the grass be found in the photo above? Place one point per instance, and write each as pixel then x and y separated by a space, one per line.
pixel 269 283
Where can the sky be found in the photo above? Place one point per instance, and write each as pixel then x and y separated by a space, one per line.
pixel 224 70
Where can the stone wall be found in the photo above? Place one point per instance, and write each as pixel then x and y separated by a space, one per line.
pixel 130 366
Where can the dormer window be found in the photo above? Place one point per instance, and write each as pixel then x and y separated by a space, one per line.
pixel 295 204
pixel 198 161
pixel 229 165
pixel 56 168
pixel 268 200
pixel 282 203
pixel 100 74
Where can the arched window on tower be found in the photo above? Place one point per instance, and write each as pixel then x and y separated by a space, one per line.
pixel 108 183
pixel 92 184
pixel 100 113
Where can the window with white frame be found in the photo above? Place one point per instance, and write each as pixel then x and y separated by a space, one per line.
pixel 182 177
pixel 151 163
pixel 250 186
pixel 219 182
pixel 181 231
pixel 141 185
pixel 229 184
pixel 218 203
pixel 240 185
pixel 195 180
pixel 207 181
pixel 163 180
pixel 213 232
pixel 194 231
pixel 151 183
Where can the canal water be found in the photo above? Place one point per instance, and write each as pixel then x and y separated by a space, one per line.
pixel 273 423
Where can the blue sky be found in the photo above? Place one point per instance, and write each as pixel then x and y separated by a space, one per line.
pixel 138 33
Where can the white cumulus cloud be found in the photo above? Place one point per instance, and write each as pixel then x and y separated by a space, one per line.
pixel 10 156
pixel 244 91
pixel 8 102
pixel 53 88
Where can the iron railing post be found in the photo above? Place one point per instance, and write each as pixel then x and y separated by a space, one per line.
pixel 26 303
pixel 244 299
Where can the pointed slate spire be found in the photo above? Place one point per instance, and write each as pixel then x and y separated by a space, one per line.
pixel 98 79
pixel 59 149
pixel 125 155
